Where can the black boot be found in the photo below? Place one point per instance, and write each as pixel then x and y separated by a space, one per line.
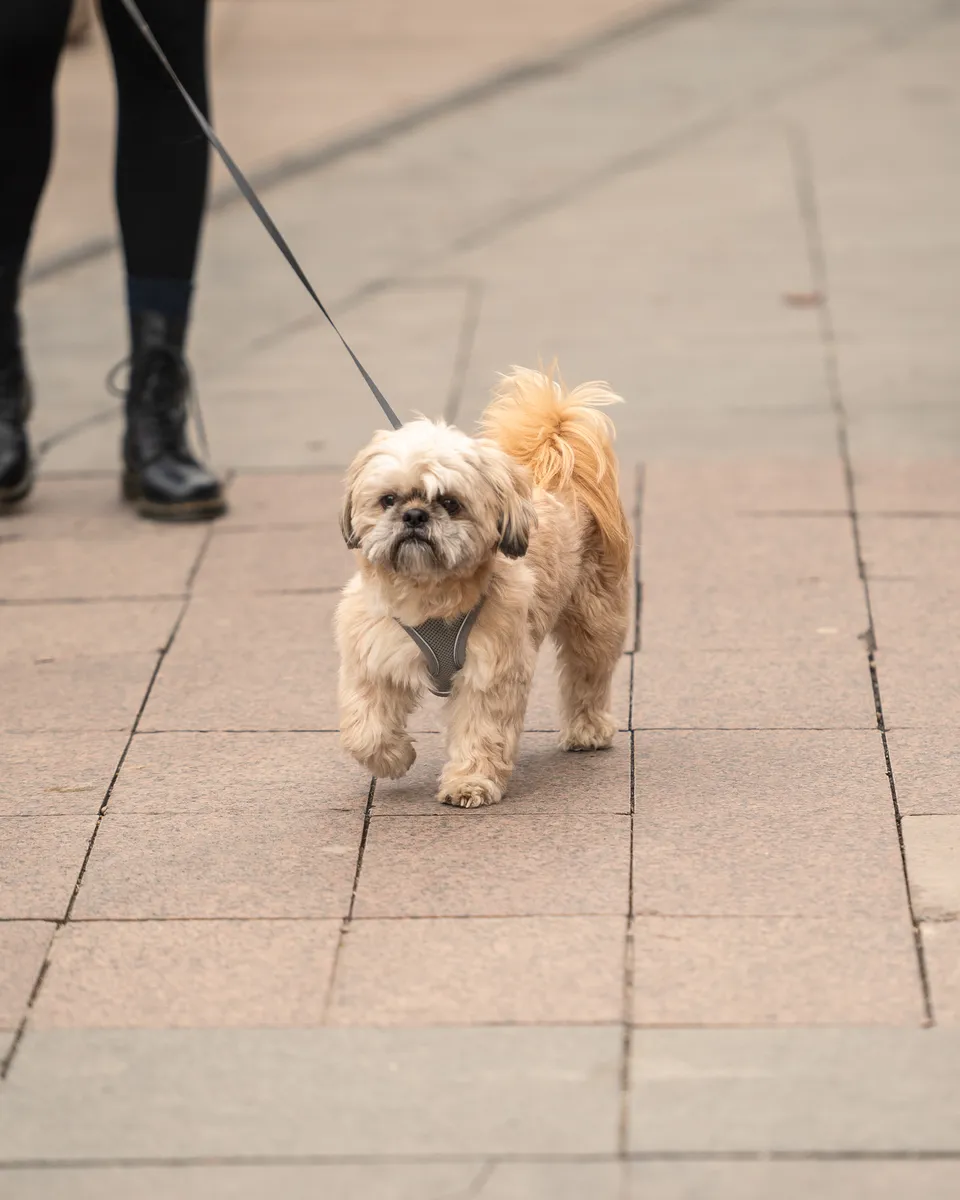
pixel 162 478
pixel 16 400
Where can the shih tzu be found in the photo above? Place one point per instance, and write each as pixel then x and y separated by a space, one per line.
pixel 471 551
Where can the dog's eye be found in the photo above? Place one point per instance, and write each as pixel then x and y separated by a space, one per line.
pixel 388 501
pixel 452 506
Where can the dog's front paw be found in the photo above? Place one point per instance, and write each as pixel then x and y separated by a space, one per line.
pixel 386 760
pixel 471 791
pixel 588 731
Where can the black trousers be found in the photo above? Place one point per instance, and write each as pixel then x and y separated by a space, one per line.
pixel 162 157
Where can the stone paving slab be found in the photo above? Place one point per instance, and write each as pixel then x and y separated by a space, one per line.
pixel 523 970
pixel 208 772
pixel 50 633
pixel 67 774
pixel 687 545
pixel 553 1181
pixel 67 568
pixel 23 945
pixel 76 506
pixel 941 946
pixel 271 499
pixel 369 1181
pixel 921 548
pixel 925 484
pixel 188 974
pixel 494 862
pixel 234 863
pixel 276 560
pixel 745 487
pixel 547 779
pixel 748 582
pixel 724 823
pixel 766 971
pixel 95 693
pixel 249 662
pixel 898 603
pixel 40 859
pixel 729 689
pixel 335 1092
pixel 756 617
pixel 881 1179
pixel 932 847
pixel 919 688
pixel 801 1090
pixel 926 769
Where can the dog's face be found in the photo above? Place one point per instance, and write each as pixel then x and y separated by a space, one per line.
pixel 427 500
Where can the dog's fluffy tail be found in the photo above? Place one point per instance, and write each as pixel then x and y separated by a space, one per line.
pixel 566 443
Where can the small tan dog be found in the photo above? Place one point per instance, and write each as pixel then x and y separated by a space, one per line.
pixel 503 538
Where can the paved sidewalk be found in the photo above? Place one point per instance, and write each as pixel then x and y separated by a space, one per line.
pixel 720 960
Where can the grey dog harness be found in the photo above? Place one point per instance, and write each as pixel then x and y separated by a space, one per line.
pixel 443 645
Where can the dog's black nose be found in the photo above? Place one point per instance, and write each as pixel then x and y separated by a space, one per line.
pixel 415 517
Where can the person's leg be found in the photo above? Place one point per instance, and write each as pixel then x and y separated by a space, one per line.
pixel 31 37
pixel 161 182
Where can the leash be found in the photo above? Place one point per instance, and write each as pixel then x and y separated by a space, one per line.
pixel 253 200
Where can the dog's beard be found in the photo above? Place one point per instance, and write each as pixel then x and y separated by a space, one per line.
pixel 414 554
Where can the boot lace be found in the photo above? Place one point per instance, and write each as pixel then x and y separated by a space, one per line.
pixel 168 394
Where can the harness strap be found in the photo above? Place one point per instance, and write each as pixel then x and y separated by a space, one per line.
pixel 443 645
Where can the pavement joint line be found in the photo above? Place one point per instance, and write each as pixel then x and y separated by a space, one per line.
pixel 804 173
pixel 634 1156
pixel 641 22
pixel 408 280
pixel 49 601
pixel 10 1056
pixel 639 491
pixel 466 339
pixel 646 729
pixel 485 916
pixel 348 916
pixel 626 1044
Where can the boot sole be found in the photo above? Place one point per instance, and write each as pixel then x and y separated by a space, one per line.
pixel 188 510
pixel 11 497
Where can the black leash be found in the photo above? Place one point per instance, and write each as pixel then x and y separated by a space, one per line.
pixel 253 200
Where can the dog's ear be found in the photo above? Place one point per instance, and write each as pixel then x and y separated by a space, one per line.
pixel 353 481
pixel 514 530
pixel 517 517
pixel 346 521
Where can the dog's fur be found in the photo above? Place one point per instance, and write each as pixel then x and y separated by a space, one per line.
pixel 540 534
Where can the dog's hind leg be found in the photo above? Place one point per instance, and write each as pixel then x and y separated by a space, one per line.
pixel 589 637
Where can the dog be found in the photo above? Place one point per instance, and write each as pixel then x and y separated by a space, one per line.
pixel 516 534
